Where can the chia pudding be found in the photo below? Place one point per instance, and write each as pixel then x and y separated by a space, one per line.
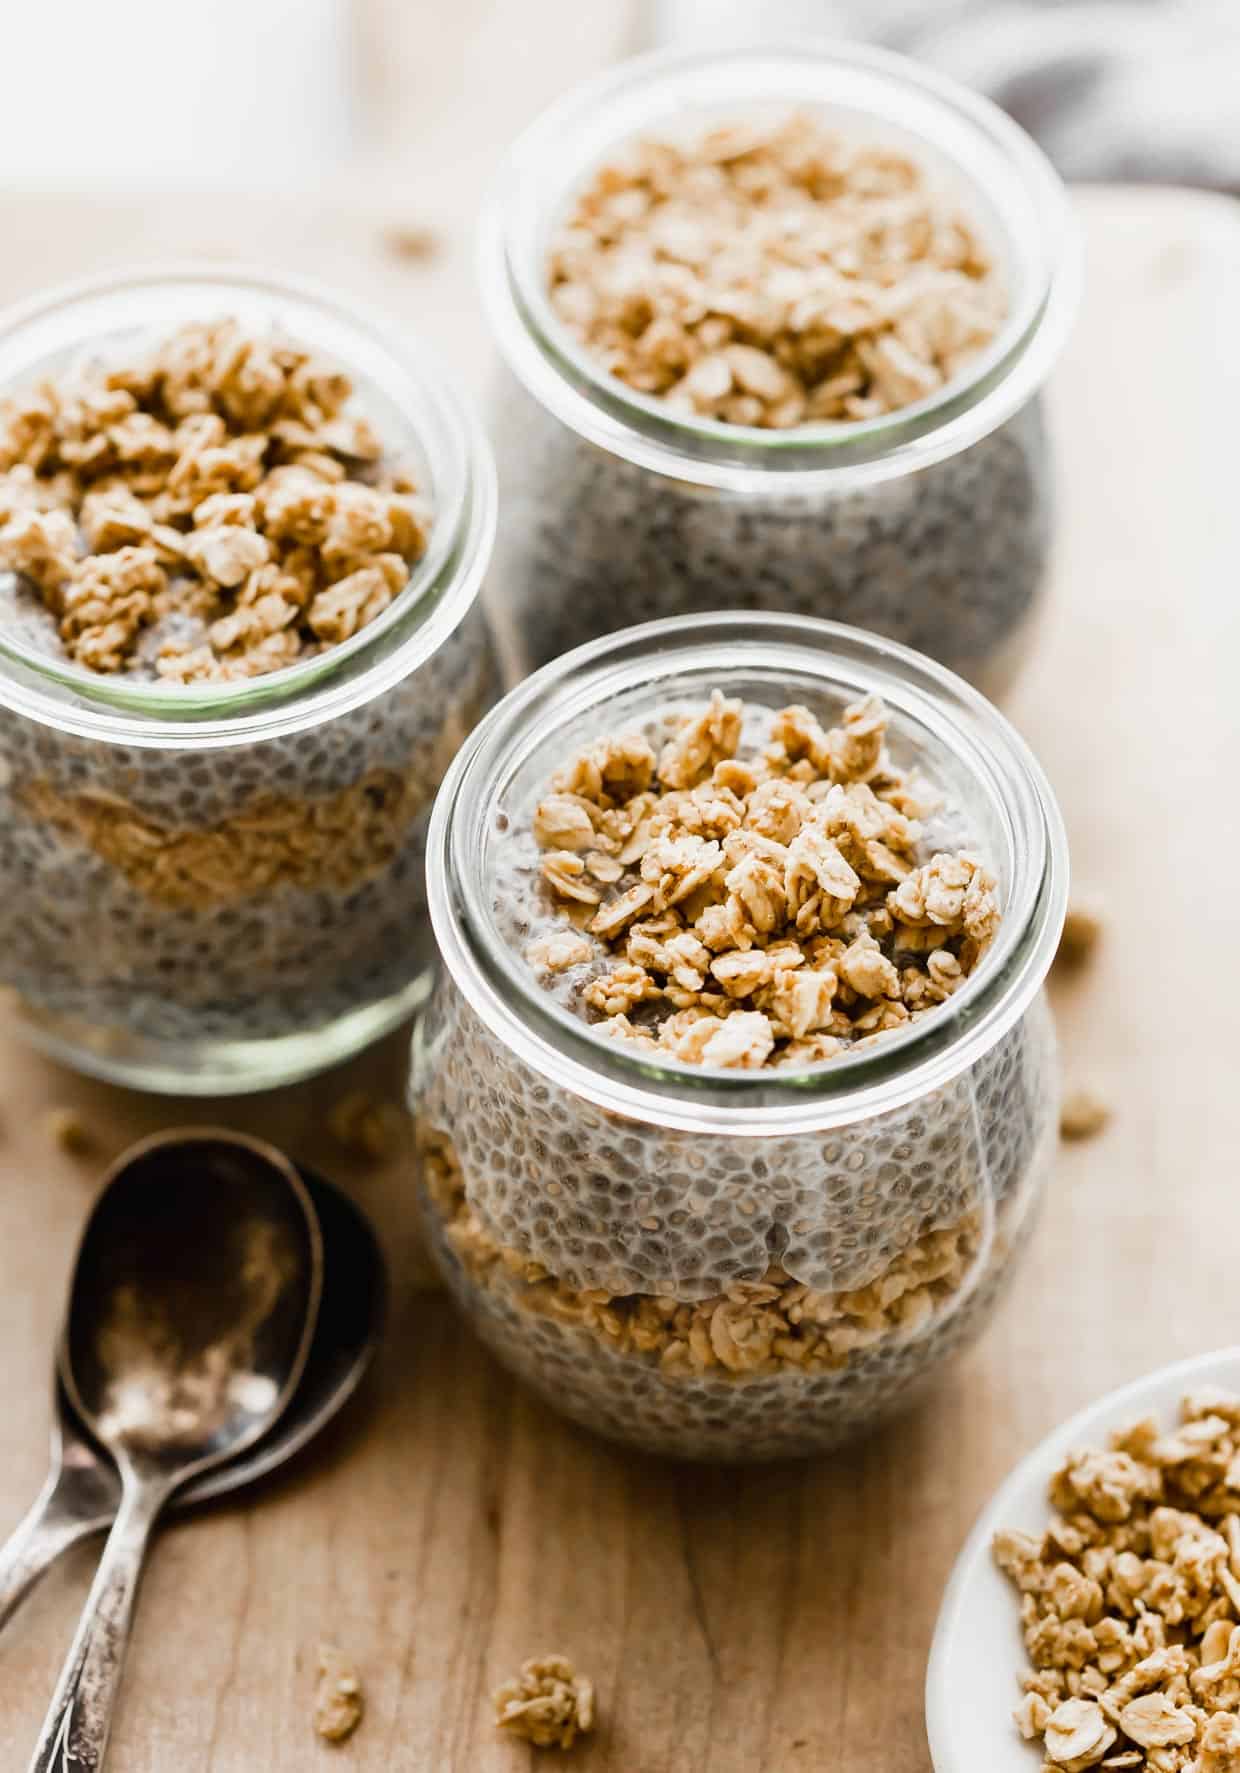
pixel 736 1093
pixel 241 540
pixel 774 329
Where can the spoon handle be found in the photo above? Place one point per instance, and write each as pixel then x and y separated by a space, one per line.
pixel 33 1546
pixel 75 1731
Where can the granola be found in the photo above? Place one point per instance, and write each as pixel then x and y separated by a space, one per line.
pixel 1082 931
pixel 1083 1114
pixel 365 1125
pixel 65 1127
pixel 338 1701
pixel 754 906
pixel 1130 1601
pixel 771 1325
pixel 211 509
pixel 549 1704
pixel 775 275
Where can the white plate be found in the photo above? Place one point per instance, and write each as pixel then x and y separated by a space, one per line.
pixel 977 1655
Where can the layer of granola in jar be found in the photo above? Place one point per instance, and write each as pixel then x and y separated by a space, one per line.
pixel 738 887
pixel 1130 1599
pixel 775 273
pixel 213 506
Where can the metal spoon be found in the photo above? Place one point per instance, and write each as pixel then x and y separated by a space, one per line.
pixel 82 1494
pixel 190 1317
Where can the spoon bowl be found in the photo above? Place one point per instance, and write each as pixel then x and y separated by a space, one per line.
pixel 193 1302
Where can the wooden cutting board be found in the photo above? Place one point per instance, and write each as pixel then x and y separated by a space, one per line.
pixel 767 1620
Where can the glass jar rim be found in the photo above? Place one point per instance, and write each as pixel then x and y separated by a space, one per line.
pixel 545 160
pixel 905 1064
pixel 444 582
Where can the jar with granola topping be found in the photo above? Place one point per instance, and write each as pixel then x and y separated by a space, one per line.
pixel 736 1092
pixel 242 534
pixel 775 324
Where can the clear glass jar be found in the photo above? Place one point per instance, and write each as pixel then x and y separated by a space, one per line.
pixel 220 887
pixel 640 1239
pixel 930 525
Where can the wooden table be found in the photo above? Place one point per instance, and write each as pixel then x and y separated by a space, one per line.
pixel 767 1620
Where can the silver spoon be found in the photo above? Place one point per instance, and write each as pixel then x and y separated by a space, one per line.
pixel 82 1494
pixel 190 1317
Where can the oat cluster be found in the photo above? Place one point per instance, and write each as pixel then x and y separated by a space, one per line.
pixel 548 1704
pixel 366 1125
pixel 1130 1601
pixel 209 510
pixel 338 1699
pixel 752 912
pixel 1083 1113
pixel 751 1329
pixel 774 275
pixel 1082 932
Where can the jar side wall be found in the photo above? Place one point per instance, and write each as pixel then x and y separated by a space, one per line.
pixel 726 1261
pixel 716 1416
pixel 950 559
pixel 158 904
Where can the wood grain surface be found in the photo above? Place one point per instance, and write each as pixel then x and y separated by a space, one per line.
pixel 768 1620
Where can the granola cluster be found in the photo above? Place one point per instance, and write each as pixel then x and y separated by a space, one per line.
pixel 1130 1601
pixel 338 1698
pixel 750 1329
pixel 549 1704
pixel 209 510
pixel 774 275
pixel 753 911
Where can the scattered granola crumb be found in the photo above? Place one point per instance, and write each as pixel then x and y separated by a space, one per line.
pixel 66 1128
pixel 209 510
pixel 758 905
pixel 338 1699
pixel 549 1704
pixel 775 275
pixel 365 1125
pixel 1082 931
pixel 407 240
pixel 1130 1600
pixel 1083 1114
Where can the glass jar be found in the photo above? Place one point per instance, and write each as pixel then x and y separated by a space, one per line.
pixel 930 524
pixel 220 887
pixel 733 1264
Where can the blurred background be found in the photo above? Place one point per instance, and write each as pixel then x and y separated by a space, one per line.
pixel 353 139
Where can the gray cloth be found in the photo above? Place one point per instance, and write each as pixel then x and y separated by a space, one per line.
pixel 1113 89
